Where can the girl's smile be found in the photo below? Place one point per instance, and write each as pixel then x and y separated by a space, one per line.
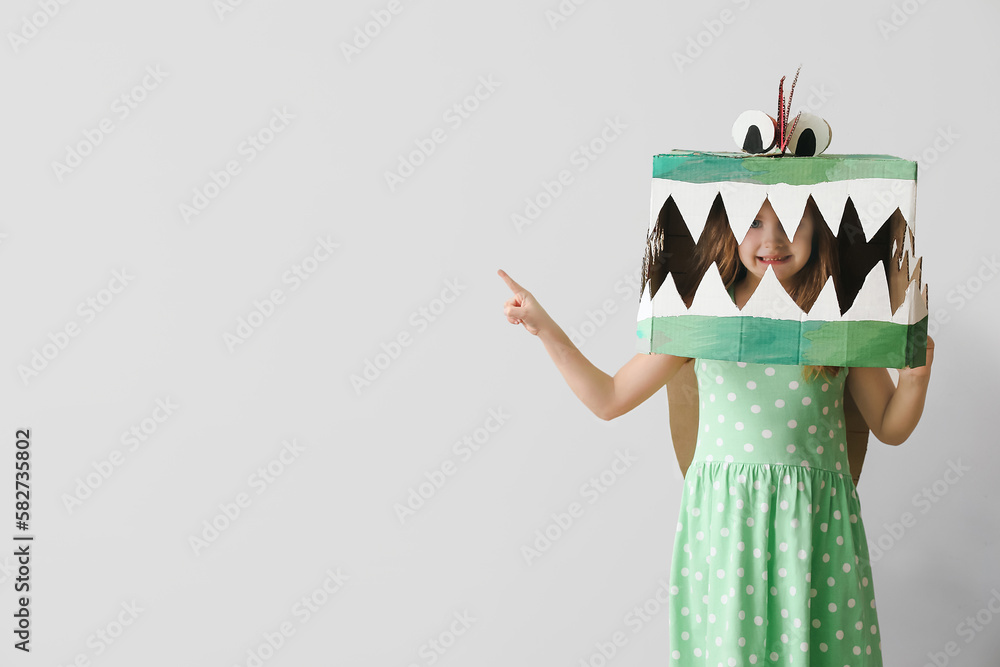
pixel 766 245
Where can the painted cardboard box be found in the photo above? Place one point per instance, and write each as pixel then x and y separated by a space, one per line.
pixel 872 311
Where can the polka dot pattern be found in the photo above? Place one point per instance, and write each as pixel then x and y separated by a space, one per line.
pixel 770 562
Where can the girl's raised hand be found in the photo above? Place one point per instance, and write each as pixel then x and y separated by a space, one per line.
pixel 522 308
pixel 921 371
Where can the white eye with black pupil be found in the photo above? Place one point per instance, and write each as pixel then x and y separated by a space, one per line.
pixel 755 132
pixel 755 224
pixel 811 136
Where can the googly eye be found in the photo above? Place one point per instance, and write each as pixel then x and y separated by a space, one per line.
pixel 755 132
pixel 811 137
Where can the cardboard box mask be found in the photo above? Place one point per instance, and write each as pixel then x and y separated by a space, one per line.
pixel 861 303
pixel 871 310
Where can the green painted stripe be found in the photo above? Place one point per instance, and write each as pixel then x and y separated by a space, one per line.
pixel 762 340
pixel 703 167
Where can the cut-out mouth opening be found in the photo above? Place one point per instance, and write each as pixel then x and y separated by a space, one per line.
pixel 846 256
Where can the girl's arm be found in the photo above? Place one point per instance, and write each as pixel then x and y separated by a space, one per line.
pixel 891 412
pixel 607 397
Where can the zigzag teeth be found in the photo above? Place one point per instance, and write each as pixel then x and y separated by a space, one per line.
pixel 830 199
pixel 770 300
pixel 872 302
pixel 694 201
pixel 871 212
pixel 875 199
pixel 667 300
pixel 789 203
pixel 825 308
pixel 712 297
pixel 918 306
pixel 742 204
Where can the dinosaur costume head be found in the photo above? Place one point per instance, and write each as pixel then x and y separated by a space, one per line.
pixel 871 311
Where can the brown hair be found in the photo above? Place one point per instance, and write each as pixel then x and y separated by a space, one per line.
pixel 718 244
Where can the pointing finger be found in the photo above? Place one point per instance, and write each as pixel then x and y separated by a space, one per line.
pixel 511 283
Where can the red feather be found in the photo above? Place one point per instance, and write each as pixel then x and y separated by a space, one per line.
pixel 784 132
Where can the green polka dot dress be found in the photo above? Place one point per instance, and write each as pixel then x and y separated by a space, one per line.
pixel 770 563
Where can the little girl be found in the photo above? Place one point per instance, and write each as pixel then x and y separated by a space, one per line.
pixel 770 562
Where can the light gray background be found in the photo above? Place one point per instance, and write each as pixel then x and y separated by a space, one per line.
pixel 401 251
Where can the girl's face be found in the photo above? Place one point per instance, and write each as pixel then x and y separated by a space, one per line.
pixel 766 244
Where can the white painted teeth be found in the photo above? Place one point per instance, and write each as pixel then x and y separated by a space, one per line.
pixel 917 309
pixel 789 203
pixel 831 200
pixel 668 299
pixel 875 199
pixel 872 302
pixel 712 297
pixel 825 308
pixel 770 300
pixel 694 203
pixel 741 208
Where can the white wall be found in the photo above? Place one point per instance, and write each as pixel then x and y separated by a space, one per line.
pixel 418 261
